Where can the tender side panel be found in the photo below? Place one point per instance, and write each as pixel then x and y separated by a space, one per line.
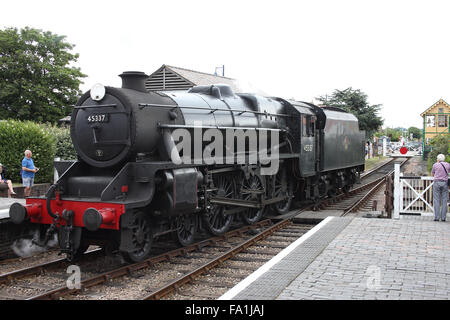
pixel 342 142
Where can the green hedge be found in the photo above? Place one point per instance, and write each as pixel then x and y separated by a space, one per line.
pixel 64 147
pixel 440 144
pixel 16 137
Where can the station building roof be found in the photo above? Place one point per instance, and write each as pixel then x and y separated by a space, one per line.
pixel 439 102
pixel 175 78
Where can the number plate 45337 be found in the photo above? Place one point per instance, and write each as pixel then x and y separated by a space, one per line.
pixel 98 118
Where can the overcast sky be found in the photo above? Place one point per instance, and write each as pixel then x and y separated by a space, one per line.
pixel 397 52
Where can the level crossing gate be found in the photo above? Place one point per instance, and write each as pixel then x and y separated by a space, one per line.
pixel 412 195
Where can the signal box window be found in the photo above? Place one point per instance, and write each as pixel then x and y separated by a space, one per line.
pixel 442 119
pixel 430 121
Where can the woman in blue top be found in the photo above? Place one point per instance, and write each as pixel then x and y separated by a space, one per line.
pixel 5 182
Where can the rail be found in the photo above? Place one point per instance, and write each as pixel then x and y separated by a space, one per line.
pixel 172 286
pixel 376 185
pixel 129 268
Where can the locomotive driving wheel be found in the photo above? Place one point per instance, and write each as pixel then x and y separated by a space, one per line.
pixel 216 220
pixel 186 226
pixel 252 189
pixel 136 237
pixel 282 187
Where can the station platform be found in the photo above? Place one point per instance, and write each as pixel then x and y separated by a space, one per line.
pixel 357 259
pixel 5 203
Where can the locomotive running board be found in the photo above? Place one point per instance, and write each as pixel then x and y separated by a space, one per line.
pixel 245 203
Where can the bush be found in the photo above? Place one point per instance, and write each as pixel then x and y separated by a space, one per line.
pixel 16 137
pixel 64 147
pixel 440 144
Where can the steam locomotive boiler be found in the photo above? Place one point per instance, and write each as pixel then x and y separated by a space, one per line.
pixel 153 163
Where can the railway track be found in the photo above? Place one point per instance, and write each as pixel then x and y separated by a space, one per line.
pixel 41 268
pixel 358 197
pixel 246 250
pixel 375 172
pixel 48 281
pixel 223 272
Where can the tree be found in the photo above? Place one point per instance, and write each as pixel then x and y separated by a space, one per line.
pixel 416 132
pixel 37 81
pixel 355 101
pixel 393 133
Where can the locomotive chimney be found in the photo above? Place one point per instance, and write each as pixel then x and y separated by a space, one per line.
pixel 134 80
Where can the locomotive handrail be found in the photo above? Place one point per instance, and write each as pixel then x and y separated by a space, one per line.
pixel 169 126
pixel 143 105
pixel 113 142
pixel 96 106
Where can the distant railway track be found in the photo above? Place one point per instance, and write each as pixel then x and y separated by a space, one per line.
pixel 358 197
pixel 373 171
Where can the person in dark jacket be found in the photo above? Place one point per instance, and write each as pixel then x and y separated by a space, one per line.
pixel 5 183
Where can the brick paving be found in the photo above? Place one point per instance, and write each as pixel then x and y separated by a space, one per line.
pixel 380 259
pixel 362 259
pixel 271 283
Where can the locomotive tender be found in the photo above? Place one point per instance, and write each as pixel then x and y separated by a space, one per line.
pixel 129 185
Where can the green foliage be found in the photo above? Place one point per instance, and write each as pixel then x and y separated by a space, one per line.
pixel 64 147
pixel 355 101
pixel 16 137
pixel 440 144
pixel 393 133
pixel 36 80
pixel 417 133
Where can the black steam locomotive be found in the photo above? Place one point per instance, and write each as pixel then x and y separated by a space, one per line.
pixel 154 163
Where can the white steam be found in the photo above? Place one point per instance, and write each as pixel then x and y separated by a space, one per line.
pixel 26 248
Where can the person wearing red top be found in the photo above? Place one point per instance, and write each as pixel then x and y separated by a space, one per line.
pixel 440 187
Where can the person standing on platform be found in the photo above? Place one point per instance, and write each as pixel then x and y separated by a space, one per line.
pixel 28 171
pixel 440 187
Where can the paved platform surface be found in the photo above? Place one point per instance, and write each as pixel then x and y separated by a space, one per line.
pixel 358 259
pixel 5 203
